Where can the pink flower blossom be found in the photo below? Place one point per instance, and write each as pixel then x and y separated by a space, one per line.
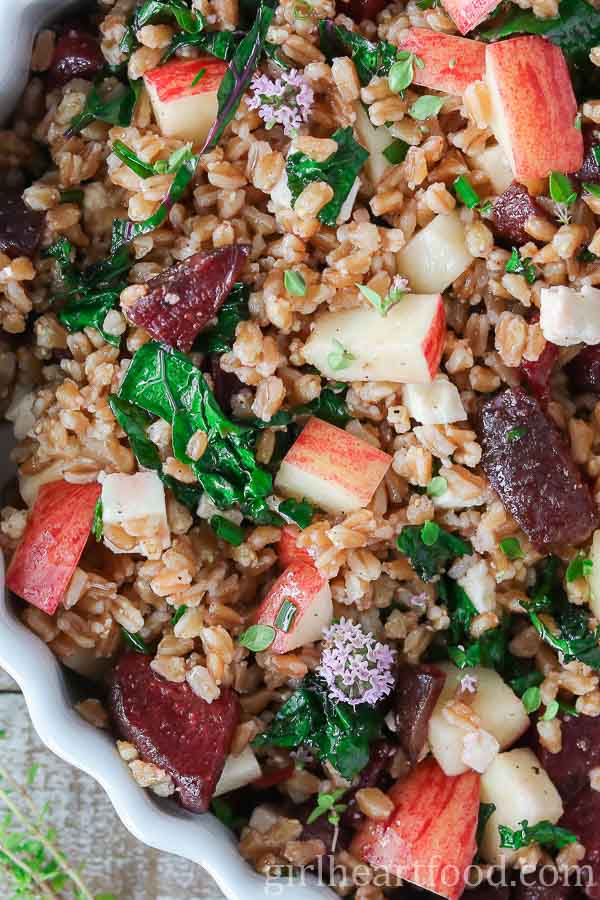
pixel 356 668
pixel 285 101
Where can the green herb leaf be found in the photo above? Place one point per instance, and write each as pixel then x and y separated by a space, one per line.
pixel 332 731
pixel 116 109
pixel 286 615
pixel 551 711
pixel 431 549
pixel 396 152
pixel 294 283
pixel 465 192
pixel 327 805
pixel 219 337
pixel 521 266
pixel 228 531
pixel 136 642
pixel 339 171
pixel 401 73
pixel 223 810
pixel 511 548
pixel 515 434
pixel 339 358
pixel 73 196
pixel 425 107
pixel 486 811
pixel 299 511
pixel 258 637
pixel 97 526
pixel 437 486
pixel 242 66
pixel 532 699
pixel 593 189
pixel 561 189
pixel 579 567
pixel 381 304
pixel 166 384
pixel 178 614
pixel 370 57
pixel 198 78
pixel 147 170
pixel 584 648
pixel 545 833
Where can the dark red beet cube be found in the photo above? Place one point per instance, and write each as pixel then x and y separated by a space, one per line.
pixel 584 370
pixel 582 817
pixel 361 9
pixel 417 692
pixel 173 728
pixel 538 886
pixel 569 769
pixel 529 465
pixel 77 54
pixel 20 227
pixel 538 373
pixel 510 213
pixel 590 170
pixel 184 298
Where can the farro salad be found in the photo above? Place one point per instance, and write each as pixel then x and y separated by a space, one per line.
pixel 302 355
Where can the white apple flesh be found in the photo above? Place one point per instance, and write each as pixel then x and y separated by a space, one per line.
pixel 298 606
pixel 499 709
pixel 183 107
pixel 404 346
pixel 238 772
pixel 437 403
pixel 436 256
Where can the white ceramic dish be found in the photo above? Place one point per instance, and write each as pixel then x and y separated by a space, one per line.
pixel 48 689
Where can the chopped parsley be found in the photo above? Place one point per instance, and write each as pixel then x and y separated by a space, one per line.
pixel 545 833
pixel 258 637
pixel 339 358
pixel 396 151
pixel 227 531
pixel 511 548
pixel 579 567
pixel 299 511
pixel 327 804
pixel 515 434
pixel 381 304
pixel 520 266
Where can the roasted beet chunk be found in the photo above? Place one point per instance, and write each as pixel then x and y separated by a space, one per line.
pixel 510 213
pixel 20 227
pixel 538 373
pixel 361 9
pixel 582 817
pixel 417 692
pixel 538 886
pixel 531 468
pixel 173 728
pixel 569 769
pixel 183 299
pixel 76 55
pixel 590 170
pixel 584 370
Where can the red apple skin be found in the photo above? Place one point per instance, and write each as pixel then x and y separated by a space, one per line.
pixel 339 458
pixel 451 63
pixel 430 837
pixel 301 584
pixel 536 93
pixel 288 550
pixel 433 343
pixel 467 14
pixel 174 80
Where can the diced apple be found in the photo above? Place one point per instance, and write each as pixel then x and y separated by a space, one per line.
pixel 298 606
pixel 520 789
pixel 436 255
pixel 494 163
pixel 570 315
pixel 136 504
pixel 594 576
pixel 288 550
pixel 437 403
pixel 467 14
pixel 333 469
pixel 238 771
pixel 533 107
pixel 429 839
pixel 181 108
pixel 451 63
pixel 375 140
pixel 404 346
pixel 499 709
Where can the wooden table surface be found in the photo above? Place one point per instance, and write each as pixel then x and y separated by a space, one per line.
pixel 88 829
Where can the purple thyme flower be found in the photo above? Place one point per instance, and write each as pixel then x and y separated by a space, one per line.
pixel 284 101
pixel 356 668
